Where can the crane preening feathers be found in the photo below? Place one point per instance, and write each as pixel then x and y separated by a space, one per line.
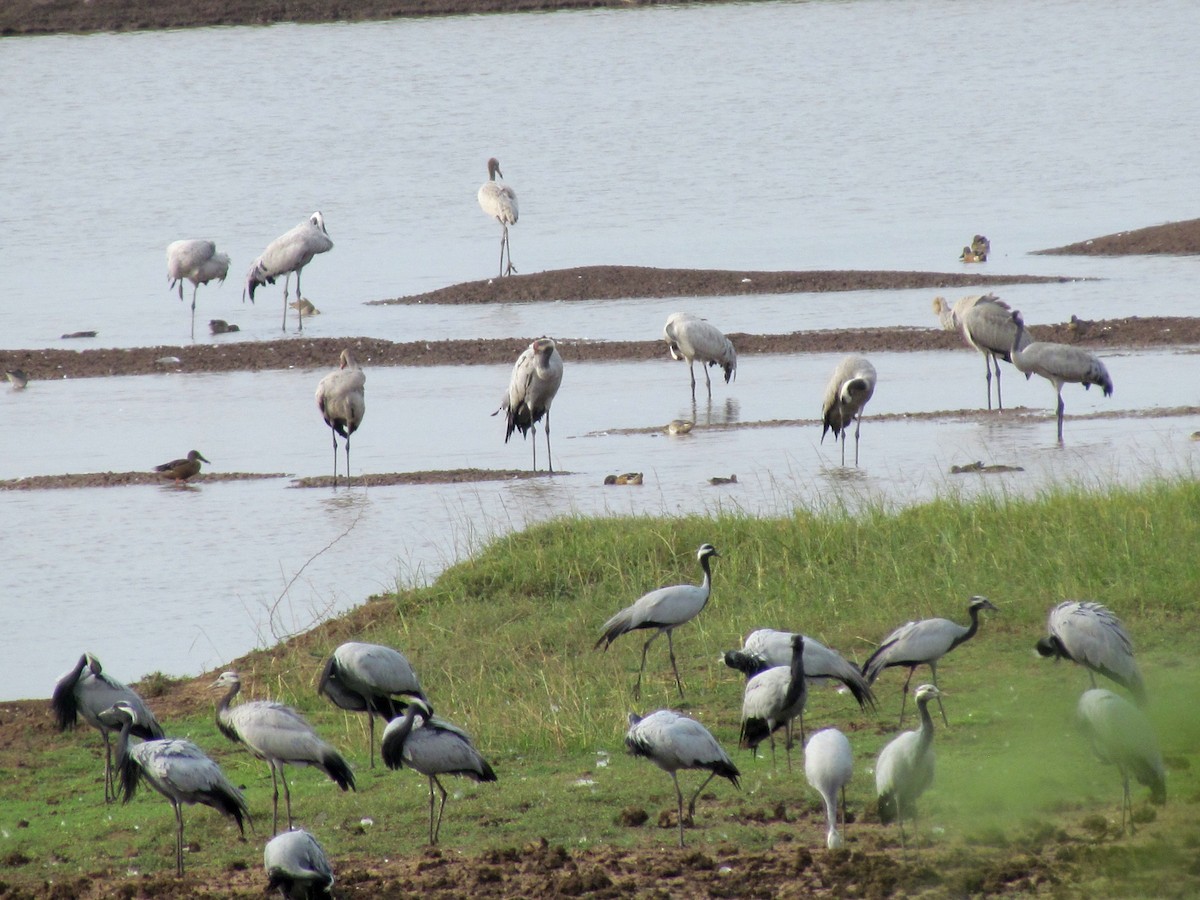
pixel 196 261
pixel 341 398
pixel 690 338
pixel 535 380
pixel 850 387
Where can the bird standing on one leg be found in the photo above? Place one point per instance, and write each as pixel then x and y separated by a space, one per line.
pixel 849 389
pixel 500 202
pixel 341 398
pixel 288 253
pixel 923 643
pixel 279 735
pixel 663 610
pixel 691 338
pixel 1090 635
pixel 1058 364
pixel 672 742
pixel 196 261
pixel 828 766
pixel 904 770
pixel 432 747
pixel 535 380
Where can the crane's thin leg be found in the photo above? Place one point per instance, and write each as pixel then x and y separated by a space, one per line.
pixel 707 381
pixel 999 399
pixel 987 365
pixel 502 234
pixel 679 798
pixel 933 668
pixel 904 694
pixel 110 789
pixel 178 839
pixel 299 307
pixel 1060 415
pixel 533 428
pixel 674 668
pixel 333 434
pixel 193 307
pixel 774 763
pixel 371 719
pixel 696 796
pixel 857 429
pixel 1126 804
pixel 437 831
pixel 692 376
pixel 274 802
pixel 286 281
pixel 843 810
pixel 1092 676
pixel 637 688
pixel 287 795
pixel 347 461
pixel 549 458
pixel 843 448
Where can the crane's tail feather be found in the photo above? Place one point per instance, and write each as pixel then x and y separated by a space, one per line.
pixel 888 808
pixel 339 770
pixel 754 732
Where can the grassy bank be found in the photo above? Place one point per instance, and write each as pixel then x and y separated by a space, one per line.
pixel 504 647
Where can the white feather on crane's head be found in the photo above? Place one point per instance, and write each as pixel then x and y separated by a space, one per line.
pixel 318 220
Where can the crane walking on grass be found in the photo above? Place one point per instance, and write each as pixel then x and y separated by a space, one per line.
pixel 370 678
pixel 672 742
pixel 828 766
pixel 663 610
pixel 1121 734
pixel 1090 635
pixel 691 338
pixel 87 691
pixel 177 769
pixel 904 770
pixel 923 643
pixel 341 398
pixel 279 735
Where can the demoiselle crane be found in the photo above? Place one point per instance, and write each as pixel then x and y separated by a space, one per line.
pixel 499 201
pixel 673 741
pixel 288 253
pixel 828 766
pixel 904 770
pixel 766 647
pixel 297 866
pixel 279 735
pixel 180 470
pixel 923 643
pixel 433 747
pixel 196 261
pixel 772 699
pixel 1058 364
pixel 690 338
pixel 370 678
pixel 846 394
pixel 985 323
pixel 1121 734
pixel 663 610
pixel 341 398
pixel 1090 635
pixel 535 380
pixel 87 691
pixel 177 769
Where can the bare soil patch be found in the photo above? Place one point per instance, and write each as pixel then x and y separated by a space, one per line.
pixel 1172 239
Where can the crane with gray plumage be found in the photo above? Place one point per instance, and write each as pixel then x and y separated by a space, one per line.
pixel 850 387
pixel 1059 364
pixel 923 643
pixel 772 699
pixel 985 323
pixel 535 380
pixel 828 766
pixel 1121 735
pixel 690 338
pixel 87 690
pixel 1088 634
pixel 764 648
pixel 177 769
pixel 672 741
pixel 288 253
pixel 341 398
pixel 433 747
pixel 196 261
pixel 297 866
pixel 499 201
pixel 280 736
pixel 664 610
pixel 904 770
pixel 370 678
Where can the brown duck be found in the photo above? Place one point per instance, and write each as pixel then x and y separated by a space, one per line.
pixel 181 470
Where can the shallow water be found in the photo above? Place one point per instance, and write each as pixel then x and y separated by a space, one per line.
pixel 828 135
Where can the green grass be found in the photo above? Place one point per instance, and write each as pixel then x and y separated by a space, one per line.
pixel 504 646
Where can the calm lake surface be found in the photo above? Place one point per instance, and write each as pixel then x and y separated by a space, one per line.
pixel 763 136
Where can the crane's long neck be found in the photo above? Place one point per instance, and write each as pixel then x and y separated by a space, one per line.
pixel 971 629
pixel 1015 352
pixel 796 687
pixel 224 714
pixel 926 731
pixel 706 584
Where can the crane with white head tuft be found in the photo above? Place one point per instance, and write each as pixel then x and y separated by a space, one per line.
pixel 772 699
pixel 690 338
pixel 766 647
pixel 499 201
pixel 433 747
pixel 1058 364
pixel 370 678
pixel 1091 636
pixel 904 770
pixel 1121 734
pixel 177 769
pixel 297 866
pixel 828 766
pixel 87 691
pixel 923 643
pixel 535 380
pixel 672 741
pixel 196 261
pixel 279 735
pixel 664 610
pixel 341 398
pixel 288 253
pixel 850 387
